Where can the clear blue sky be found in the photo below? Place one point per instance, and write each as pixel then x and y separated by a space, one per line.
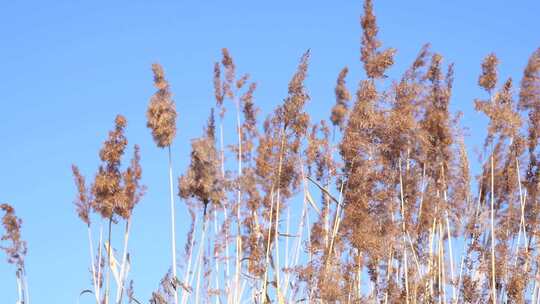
pixel 68 67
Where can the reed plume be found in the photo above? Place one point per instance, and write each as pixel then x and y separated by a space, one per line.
pixel 15 248
pixel 340 109
pixel 375 61
pixel 161 113
pixel 161 119
pixel 113 194
pixel 202 180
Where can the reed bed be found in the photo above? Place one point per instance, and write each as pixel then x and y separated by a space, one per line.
pixel 387 208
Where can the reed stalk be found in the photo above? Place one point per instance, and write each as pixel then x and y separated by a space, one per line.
pixel 173 229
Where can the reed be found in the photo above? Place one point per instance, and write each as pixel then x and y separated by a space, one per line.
pixel 370 205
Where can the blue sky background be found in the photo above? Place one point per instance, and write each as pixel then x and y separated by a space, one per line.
pixel 68 67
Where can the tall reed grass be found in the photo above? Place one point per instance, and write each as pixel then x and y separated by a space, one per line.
pixel 387 212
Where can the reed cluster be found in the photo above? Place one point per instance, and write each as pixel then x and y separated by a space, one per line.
pixel 15 248
pixel 387 208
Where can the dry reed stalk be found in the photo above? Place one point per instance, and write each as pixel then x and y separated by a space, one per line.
pixel 492 222
pixel 522 227
pixel 449 236
pixel 442 263
pixel 276 221
pixel 276 186
pixel 359 275
pixel 199 262
pixel 267 255
pixel 287 233
pixel 99 263
pixel 388 273
pixel 198 266
pixel 404 232
pixel 216 256
pixel 406 274
pixel 173 220
pixel 225 211
pixel 161 119
pixel 296 257
pixel 109 262
pixel 92 265
pixel 422 191
pixel 299 235
pixel 335 226
pixel 238 202
pixel 431 257
pixel 219 95
pixel 123 270
pixel 188 270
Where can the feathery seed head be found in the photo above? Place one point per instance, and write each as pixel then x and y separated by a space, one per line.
pixel 218 92
pixel 202 180
pixel 161 112
pixel 114 191
pixel 291 112
pixel 375 62
pixel 16 249
pixel 230 70
pixel 132 190
pixel 529 95
pixel 340 109
pixel 82 202
pixel 488 78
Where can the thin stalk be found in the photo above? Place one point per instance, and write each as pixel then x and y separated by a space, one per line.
pixel 451 256
pixel 99 262
pixel 522 218
pixel 422 195
pixel 198 262
pixel 493 287
pixel 225 212
pixel 406 274
pixel 359 275
pixel 441 257
pixel 227 263
pixel 287 231
pixel 267 256
pixel 216 260
pixel 25 282
pixel 404 233
pixel 388 274
pixel 276 238
pixel 173 230
pixel 238 203
pixel 337 221
pixel 276 222
pixel 431 258
pixel 107 280
pixel 326 222
pixel 19 287
pixel 310 255
pixel 449 235
pixel 465 253
pixel 415 255
pixel 534 291
pixel 92 264
pixel 300 234
pixel 197 287
pixel 123 269
pixel 238 268
pixel 188 270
